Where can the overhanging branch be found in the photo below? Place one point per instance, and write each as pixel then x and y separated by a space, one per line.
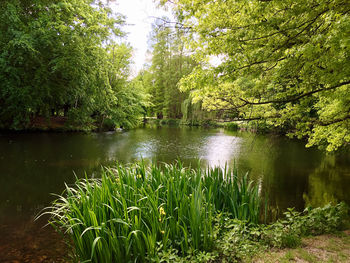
pixel 334 121
pixel 295 98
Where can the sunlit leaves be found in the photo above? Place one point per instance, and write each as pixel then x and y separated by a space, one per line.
pixel 291 55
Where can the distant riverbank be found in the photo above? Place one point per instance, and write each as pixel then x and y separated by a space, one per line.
pixel 63 124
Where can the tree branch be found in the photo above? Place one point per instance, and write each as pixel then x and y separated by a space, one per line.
pixel 298 97
pixel 334 121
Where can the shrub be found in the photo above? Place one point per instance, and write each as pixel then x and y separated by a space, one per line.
pixel 232 126
pixel 170 122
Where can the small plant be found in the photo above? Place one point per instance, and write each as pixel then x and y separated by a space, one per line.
pixel 287 232
pixel 240 239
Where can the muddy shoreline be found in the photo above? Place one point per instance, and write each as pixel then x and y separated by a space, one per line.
pixel 30 241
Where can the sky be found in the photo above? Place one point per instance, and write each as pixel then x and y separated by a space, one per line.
pixel 139 17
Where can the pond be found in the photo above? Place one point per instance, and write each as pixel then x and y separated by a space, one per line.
pixel 35 165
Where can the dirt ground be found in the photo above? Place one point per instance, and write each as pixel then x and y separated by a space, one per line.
pixel 319 249
pixel 30 242
pixel 53 123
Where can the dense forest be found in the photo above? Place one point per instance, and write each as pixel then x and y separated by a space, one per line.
pixel 281 64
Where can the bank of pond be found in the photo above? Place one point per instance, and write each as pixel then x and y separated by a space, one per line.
pixel 172 213
pixel 62 124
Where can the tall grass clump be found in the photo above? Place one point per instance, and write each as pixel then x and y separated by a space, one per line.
pixel 132 212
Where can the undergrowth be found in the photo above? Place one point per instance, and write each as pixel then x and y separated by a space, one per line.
pixel 138 213
pixel 169 213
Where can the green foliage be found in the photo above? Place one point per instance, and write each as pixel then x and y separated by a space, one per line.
pixel 232 126
pixel 168 213
pixel 57 59
pixel 194 114
pixel 241 240
pixel 288 232
pixel 237 241
pixel 170 62
pixel 138 213
pixel 283 62
pixel 171 122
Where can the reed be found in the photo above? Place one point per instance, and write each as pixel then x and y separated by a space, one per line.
pixel 132 211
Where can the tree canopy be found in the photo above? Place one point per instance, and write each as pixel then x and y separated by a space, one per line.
pixel 284 62
pixel 170 62
pixel 59 57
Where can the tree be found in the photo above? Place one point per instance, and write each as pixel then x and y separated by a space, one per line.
pixel 286 62
pixel 160 60
pixel 121 102
pixel 57 57
pixel 169 64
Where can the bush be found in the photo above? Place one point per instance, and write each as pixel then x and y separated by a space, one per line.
pixel 170 122
pixel 232 126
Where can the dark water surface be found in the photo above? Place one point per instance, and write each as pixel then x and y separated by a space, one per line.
pixel 33 165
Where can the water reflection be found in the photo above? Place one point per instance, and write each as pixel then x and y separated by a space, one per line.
pixel 326 181
pixel 34 165
pixel 220 149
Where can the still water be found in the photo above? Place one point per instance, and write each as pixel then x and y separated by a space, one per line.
pixel 33 166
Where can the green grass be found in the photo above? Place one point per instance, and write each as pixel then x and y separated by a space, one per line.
pixel 321 249
pixel 132 213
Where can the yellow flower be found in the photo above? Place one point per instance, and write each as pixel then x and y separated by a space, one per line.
pixel 139 176
pixel 161 211
pixel 162 232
